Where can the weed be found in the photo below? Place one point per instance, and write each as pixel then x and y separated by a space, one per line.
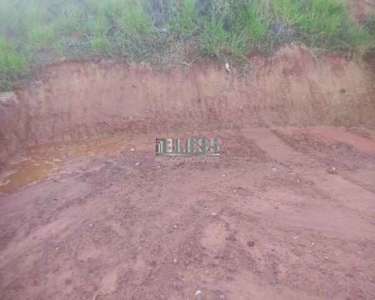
pixel 370 25
pixel 12 64
pixel 41 36
pixel 323 24
pixel 184 17
pixel 246 17
pixel 100 44
pixel 214 38
pixel 70 20
pixel 135 21
pixel 98 27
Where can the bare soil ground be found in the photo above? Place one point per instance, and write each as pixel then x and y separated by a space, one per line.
pixel 284 214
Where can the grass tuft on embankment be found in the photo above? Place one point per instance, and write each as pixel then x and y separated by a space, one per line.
pixel 169 32
pixel 12 65
pixel 325 24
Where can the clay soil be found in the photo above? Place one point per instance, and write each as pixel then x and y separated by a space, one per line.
pixel 283 214
pixel 88 212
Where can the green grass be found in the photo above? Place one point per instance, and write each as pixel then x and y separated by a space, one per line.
pixel 158 31
pixel 370 24
pixel 183 18
pixel 324 24
pixel 12 64
pixel 70 20
pixel 248 17
pixel 41 37
pixel 235 27
pixel 100 45
pixel 134 21
pixel 214 38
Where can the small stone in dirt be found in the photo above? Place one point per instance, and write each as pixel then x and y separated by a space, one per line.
pixel 198 295
pixel 91 225
pixel 175 226
pixel 227 67
pixel 57 248
pixel 332 170
pixel 175 260
pixel 251 243
pixel 132 149
pixel 137 164
pixel 213 214
pixel 274 169
pixel 223 175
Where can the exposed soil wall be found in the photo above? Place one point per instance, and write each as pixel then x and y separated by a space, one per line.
pixel 79 99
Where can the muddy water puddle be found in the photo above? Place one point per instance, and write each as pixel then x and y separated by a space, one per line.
pixel 41 161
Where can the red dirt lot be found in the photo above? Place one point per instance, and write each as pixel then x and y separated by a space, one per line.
pixel 284 214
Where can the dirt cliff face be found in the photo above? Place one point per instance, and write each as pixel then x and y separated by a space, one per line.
pixel 79 99
pixel 12 126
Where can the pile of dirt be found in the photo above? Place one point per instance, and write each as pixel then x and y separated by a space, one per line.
pixel 72 100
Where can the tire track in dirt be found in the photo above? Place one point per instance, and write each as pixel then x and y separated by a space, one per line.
pixel 345 192
pixel 254 225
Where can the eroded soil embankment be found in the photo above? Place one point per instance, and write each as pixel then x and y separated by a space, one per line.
pixel 78 99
